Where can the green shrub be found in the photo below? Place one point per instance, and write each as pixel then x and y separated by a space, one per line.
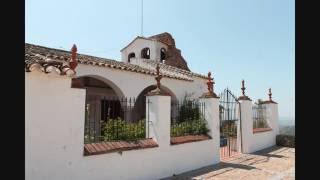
pixel 189 109
pixel 190 127
pixel 190 121
pixel 118 129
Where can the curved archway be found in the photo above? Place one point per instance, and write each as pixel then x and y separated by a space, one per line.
pixel 103 102
pixel 145 53
pixel 162 54
pixel 140 103
pixel 131 55
pixel 79 83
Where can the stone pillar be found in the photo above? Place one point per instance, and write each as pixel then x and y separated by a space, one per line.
pixel 272 113
pixel 212 117
pixel 238 147
pixel 246 124
pixel 158 118
pixel 273 116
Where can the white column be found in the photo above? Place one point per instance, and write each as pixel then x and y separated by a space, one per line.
pixel 273 116
pixel 212 117
pixel 158 119
pixel 246 125
pixel 238 147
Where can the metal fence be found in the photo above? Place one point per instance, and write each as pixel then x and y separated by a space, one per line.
pixel 259 116
pixel 230 120
pixel 113 119
pixel 187 118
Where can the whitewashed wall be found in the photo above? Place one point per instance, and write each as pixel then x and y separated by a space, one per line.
pixel 131 84
pixel 53 126
pixel 252 142
pixel 55 130
pixel 138 44
pixel 262 140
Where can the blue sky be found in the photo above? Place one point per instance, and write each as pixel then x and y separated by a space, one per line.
pixel 248 39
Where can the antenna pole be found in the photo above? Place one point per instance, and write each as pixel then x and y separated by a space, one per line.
pixel 141 17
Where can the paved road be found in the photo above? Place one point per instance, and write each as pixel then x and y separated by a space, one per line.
pixel 276 163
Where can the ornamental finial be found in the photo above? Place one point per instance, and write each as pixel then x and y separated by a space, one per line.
pixel 210 83
pixel 157 91
pixel 243 88
pixel 73 62
pixel 270 94
pixel 159 77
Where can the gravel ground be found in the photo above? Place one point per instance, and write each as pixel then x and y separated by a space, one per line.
pixel 274 163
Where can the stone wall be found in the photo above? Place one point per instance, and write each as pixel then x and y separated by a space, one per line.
pixel 285 140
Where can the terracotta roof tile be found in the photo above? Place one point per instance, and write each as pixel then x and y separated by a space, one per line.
pixel 39 55
pixel 42 63
pixel 173 71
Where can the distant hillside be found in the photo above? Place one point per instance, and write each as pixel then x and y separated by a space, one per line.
pixel 287 130
pixel 286 121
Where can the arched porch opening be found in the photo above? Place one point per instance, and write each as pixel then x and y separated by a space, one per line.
pixel 104 101
pixel 140 103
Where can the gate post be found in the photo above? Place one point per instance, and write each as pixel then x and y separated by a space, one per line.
pixel 246 124
pixel 158 118
pixel 246 121
pixel 272 115
pixel 211 114
pixel 212 117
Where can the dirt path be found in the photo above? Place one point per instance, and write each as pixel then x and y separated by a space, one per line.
pixel 271 164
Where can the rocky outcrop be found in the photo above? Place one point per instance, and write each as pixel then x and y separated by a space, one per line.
pixel 173 55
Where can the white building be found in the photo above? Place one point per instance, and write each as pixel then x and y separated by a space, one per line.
pixel 133 76
pixel 70 96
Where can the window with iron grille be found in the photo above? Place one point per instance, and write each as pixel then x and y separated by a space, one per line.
pixel 259 116
pixel 187 118
pixel 113 119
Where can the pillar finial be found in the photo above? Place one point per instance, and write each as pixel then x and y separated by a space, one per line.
pixel 270 98
pixel 73 62
pixel 158 77
pixel 210 84
pixel 243 88
pixel 270 95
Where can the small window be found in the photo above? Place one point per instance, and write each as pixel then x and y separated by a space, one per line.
pixel 163 54
pixel 145 53
pixel 131 55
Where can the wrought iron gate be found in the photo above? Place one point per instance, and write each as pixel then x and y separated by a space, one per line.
pixel 230 124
